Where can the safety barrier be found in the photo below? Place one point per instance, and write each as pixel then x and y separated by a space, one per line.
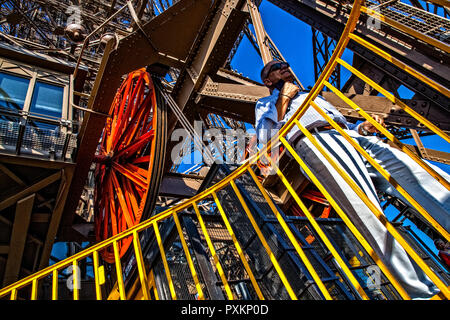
pixel 146 279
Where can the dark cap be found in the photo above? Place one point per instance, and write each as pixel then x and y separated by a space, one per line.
pixel 265 71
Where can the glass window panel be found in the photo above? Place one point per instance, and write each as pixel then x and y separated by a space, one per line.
pixel 13 90
pixel 47 99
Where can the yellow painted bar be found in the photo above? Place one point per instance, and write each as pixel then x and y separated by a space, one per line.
pixel 164 260
pixel 401 65
pixel 434 42
pixel 291 237
pixel 98 291
pixel 347 222
pixel 395 100
pixel 13 294
pixel 34 287
pixel 390 136
pixel 322 235
pixel 380 215
pixel 153 283
pixel 141 266
pixel 264 243
pixel 214 254
pixel 75 280
pixel 188 258
pixel 55 285
pixel 384 173
pixel 120 284
pixel 238 248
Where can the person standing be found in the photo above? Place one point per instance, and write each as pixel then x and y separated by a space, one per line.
pixel 272 112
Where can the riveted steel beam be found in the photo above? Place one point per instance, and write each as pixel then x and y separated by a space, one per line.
pixel 208 54
pixel 22 217
pixel 179 185
pixel 237 101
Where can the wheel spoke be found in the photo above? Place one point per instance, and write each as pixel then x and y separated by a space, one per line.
pixel 126 212
pixel 112 209
pixel 141 171
pixel 131 197
pixel 141 159
pixel 136 178
pixel 124 115
pixel 136 145
pixel 131 129
pixel 140 127
pixel 119 112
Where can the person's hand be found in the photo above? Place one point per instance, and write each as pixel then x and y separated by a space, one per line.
pixel 366 126
pixel 289 90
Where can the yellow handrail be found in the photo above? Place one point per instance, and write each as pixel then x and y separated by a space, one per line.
pixel 146 278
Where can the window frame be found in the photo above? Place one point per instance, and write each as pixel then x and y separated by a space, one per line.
pixel 47 76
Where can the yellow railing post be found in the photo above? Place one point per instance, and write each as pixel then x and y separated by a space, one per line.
pixel 164 260
pixel 141 266
pixel 263 240
pixel 118 266
pixel 98 291
pixel 55 285
pixel 238 248
pixel 213 253
pixel 188 258
pixel 291 237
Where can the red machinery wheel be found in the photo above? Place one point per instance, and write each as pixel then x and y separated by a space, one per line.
pixel 129 160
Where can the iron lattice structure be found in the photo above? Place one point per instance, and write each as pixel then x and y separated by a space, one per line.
pixel 40 25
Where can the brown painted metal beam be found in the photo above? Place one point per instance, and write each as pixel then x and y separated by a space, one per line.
pixel 179 185
pixel 260 32
pixel 54 225
pixel 29 161
pixel 209 53
pixel 11 200
pixel 11 174
pixel 427 154
pixel 238 102
pixel 4 249
pixel 18 238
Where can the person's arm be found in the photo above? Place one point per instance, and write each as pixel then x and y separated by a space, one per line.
pixel 367 128
pixel 265 119
pixel 285 96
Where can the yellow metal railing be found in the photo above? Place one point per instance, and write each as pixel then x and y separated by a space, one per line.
pixel 146 279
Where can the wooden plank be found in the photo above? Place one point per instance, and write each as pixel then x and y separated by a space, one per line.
pixel 24 208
